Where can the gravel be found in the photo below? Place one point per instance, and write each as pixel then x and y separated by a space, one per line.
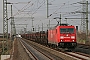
pixel 19 52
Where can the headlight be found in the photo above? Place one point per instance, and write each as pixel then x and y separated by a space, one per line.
pixel 61 40
pixel 72 37
pixel 62 37
pixel 73 40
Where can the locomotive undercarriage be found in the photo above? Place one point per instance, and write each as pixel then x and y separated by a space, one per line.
pixel 67 44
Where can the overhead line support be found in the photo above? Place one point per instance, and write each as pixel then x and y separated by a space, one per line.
pixel 5 25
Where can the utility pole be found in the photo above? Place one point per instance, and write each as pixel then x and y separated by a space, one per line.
pixel 60 19
pixel 11 22
pixel 5 25
pixel 13 29
pixel 42 26
pixel 83 15
pixel 66 20
pixel 32 23
pixel 38 28
pixel 86 22
pixel 49 23
pixel 47 9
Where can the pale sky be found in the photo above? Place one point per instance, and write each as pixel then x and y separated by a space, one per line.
pixel 38 10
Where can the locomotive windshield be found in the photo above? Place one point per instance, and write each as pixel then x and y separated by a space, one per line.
pixel 66 30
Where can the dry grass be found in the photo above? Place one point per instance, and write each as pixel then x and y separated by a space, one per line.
pixel 81 38
pixel 6 43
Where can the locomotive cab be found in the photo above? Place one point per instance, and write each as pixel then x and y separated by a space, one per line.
pixel 67 37
pixel 63 36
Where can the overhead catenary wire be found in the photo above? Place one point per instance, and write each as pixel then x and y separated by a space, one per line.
pixel 43 2
pixel 38 9
pixel 21 9
pixel 19 3
pixel 73 12
pixel 61 7
pixel 64 5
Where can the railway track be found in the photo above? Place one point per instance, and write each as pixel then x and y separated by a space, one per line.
pixel 59 54
pixel 83 48
pixel 79 55
pixel 34 53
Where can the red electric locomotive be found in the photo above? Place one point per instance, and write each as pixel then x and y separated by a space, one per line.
pixel 63 36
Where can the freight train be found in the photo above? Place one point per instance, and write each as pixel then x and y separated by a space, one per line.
pixel 63 36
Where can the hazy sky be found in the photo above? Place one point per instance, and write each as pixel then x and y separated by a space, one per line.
pixel 38 10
